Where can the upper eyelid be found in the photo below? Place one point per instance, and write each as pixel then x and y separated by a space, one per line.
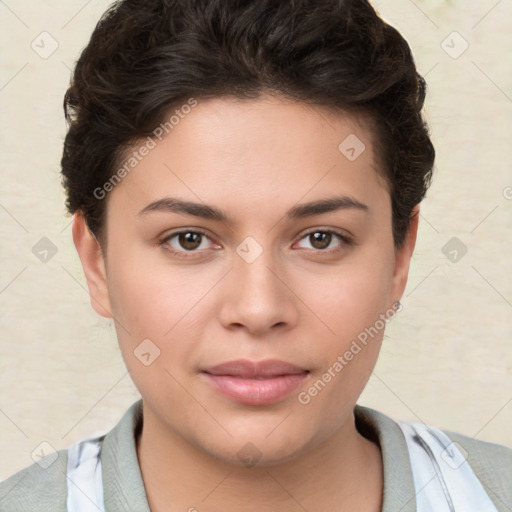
pixel 345 238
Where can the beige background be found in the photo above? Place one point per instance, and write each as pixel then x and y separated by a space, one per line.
pixel 447 357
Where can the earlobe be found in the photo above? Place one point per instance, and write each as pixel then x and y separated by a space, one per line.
pixel 403 256
pixel 93 263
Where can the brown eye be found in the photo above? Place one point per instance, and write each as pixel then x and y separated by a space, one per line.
pixel 320 239
pixel 189 240
pixel 326 241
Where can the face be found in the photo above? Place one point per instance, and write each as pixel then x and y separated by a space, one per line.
pixel 254 315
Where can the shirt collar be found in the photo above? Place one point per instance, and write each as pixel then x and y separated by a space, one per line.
pixel 399 492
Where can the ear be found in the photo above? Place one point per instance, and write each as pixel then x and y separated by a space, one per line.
pixel 91 256
pixel 403 256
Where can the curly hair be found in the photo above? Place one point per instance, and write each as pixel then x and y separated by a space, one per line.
pixel 145 57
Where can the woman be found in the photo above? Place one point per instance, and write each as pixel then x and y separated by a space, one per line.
pixel 245 179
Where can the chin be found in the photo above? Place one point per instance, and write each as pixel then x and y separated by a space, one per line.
pixel 260 449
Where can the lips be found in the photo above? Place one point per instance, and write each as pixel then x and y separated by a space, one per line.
pixel 255 382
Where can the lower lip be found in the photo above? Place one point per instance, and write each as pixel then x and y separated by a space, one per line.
pixel 255 391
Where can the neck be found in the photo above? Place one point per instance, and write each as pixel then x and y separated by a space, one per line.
pixel 343 473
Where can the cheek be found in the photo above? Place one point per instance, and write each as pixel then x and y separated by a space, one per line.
pixel 150 308
pixel 352 298
pixel 161 303
pixel 352 309
pixel 150 297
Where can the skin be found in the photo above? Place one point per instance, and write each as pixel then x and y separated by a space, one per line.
pixel 254 159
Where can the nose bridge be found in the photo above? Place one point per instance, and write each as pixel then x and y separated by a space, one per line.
pixel 259 299
pixel 254 269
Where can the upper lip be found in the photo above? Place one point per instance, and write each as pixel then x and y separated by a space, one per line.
pixel 244 368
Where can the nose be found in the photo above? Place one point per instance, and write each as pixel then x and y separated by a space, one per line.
pixel 259 296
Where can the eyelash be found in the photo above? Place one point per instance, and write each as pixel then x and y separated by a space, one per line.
pixel 345 239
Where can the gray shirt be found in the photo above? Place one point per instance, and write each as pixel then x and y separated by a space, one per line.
pixel 36 489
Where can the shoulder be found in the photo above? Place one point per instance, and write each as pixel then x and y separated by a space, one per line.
pixel 40 487
pixel 491 463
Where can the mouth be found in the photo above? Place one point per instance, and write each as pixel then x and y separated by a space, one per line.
pixel 255 382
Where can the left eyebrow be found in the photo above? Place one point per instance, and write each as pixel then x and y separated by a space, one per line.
pixel 175 205
pixel 325 206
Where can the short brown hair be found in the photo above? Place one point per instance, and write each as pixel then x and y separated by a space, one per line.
pixel 145 57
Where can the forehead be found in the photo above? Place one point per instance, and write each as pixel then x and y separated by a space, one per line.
pixel 257 152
